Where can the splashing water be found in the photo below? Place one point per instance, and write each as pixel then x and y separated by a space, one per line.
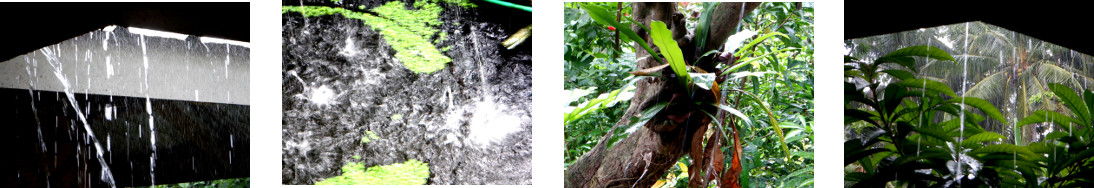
pixel 151 122
pixel 489 124
pixel 107 175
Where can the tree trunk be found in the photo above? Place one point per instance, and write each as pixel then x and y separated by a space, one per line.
pixel 643 157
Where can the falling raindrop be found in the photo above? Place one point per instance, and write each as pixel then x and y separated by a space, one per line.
pixel 151 119
pixel 107 175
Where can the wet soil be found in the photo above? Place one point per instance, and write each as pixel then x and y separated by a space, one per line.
pixel 471 121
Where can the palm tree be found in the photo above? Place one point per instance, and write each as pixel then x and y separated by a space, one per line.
pixel 1009 69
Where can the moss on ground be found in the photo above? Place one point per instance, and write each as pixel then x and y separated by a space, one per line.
pixel 461 3
pixel 369 136
pixel 407 31
pixel 412 172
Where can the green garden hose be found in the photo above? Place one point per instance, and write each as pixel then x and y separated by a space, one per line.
pixel 510 5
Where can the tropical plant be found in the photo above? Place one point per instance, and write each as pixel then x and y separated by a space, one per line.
pixel 596 78
pixel 757 83
pixel 1008 69
pixel 1033 82
pixel 905 130
pixel 1064 158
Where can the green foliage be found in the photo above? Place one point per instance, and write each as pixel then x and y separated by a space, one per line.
pixel 596 66
pixel 904 123
pixel 769 98
pixel 411 172
pixel 603 17
pixel 774 81
pixel 702 27
pixel 901 139
pixel 407 31
pixel 1068 155
pixel 604 100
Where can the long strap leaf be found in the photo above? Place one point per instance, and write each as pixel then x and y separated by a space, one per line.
pixel 771 117
pixel 662 37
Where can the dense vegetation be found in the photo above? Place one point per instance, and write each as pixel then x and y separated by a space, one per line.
pixel 907 127
pixel 765 93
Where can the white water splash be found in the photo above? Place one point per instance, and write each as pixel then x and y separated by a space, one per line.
pixel 108 112
pixel 350 49
pixel 107 175
pixel 151 119
pixel 490 124
pixel 322 95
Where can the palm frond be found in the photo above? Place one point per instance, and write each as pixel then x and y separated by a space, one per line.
pixel 990 87
pixel 1051 73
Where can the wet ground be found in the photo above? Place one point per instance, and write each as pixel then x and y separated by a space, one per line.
pixel 471 121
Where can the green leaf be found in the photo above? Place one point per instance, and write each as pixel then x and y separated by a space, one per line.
pixel 1088 96
pixel 929 85
pixel 756 41
pixel 856 156
pixel 702 28
pixel 854 115
pixel 1056 135
pixel 772 122
pixel 899 74
pixel 983 105
pixel 934 133
pixel 603 17
pixel 1072 100
pixel 1042 116
pixel 906 62
pixel 1002 148
pixel 982 137
pixel 646 116
pixel 1040 147
pixel 703 80
pixel 662 37
pixel 737 113
pixel 803 154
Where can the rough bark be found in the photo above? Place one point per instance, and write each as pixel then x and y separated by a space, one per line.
pixel 644 156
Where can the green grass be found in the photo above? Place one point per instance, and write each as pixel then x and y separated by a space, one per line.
pixel 412 172
pixel 407 31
